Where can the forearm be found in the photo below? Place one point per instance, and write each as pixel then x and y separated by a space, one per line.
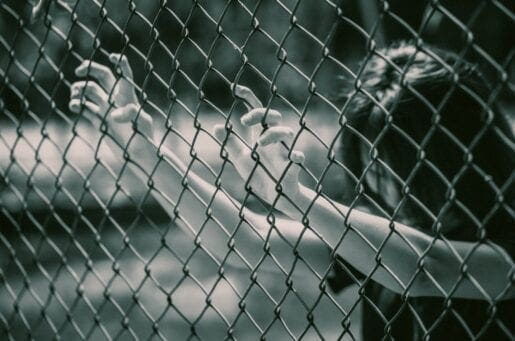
pixel 358 236
pixel 405 259
pixel 216 221
pixel 195 205
pixel 221 222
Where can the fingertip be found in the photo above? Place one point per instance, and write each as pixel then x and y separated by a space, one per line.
pixel 118 58
pixel 73 90
pixel 219 132
pixel 120 61
pixel 76 86
pixel 297 157
pixel 82 69
pixel 274 117
pixel 74 106
pixel 120 115
pixel 244 119
pixel 251 117
pixel 266 116
pixel 240 90
pixel 114 57
pixel 79 71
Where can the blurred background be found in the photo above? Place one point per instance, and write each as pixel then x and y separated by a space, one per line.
pixel 83 256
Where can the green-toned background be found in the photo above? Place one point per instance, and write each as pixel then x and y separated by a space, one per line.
pixel 81 257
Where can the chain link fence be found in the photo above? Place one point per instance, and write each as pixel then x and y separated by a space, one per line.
pixel 99 242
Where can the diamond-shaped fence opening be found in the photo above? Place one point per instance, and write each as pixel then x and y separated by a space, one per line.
pixel 249 169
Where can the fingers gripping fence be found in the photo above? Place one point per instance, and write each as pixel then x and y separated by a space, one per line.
pixel 123 120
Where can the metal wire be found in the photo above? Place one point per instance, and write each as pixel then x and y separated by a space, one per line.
pixel 87 252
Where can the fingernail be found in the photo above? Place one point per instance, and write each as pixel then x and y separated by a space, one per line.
pixel 239 90
pixel 73 106
pixel 245 119
pixel 81 69
pixel 297 157
pixel 219 132
pixel 114 57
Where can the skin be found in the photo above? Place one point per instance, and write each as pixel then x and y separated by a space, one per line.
pixel 39 10
pixel 410 261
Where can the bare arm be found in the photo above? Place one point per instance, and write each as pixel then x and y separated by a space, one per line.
pixel 222 228
pixel 399 257
pixel 228 218
pixel 410 260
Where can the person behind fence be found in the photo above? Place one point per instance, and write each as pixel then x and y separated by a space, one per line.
pixel 431 238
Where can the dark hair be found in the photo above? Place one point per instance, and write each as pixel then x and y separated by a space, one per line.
pixel 425 110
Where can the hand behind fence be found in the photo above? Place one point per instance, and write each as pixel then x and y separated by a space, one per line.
pixel 106 98
pixel 278 168
pixel 109 99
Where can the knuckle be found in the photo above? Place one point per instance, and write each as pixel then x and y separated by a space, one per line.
pixel 78 84
pixel 256 112
pixel 95 87
pixel 87 87
pixel 272 117
pixel 99 66
pixel 133 107
pixel 87 65
pixel 288 131
pixel 282 131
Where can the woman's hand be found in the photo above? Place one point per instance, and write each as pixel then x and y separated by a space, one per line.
pixel 277 171
pixel 110 99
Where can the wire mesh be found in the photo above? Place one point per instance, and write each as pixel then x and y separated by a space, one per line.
pixel 91 236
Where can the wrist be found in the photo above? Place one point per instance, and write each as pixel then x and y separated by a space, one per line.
pixel 296 206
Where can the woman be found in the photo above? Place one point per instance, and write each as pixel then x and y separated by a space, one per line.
pixel 434 165
pixel 456 157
